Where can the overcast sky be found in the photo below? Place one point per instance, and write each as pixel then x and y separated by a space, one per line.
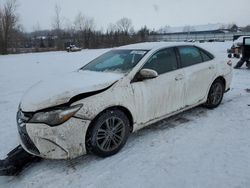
pixel 153 13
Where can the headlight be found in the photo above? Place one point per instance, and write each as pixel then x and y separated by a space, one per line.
pixel 55 117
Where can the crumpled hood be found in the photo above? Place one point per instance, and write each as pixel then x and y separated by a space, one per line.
pixel 60 90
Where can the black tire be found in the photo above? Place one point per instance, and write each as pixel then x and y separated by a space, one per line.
pixel 215 94
pixel 108 134
pixel 248 64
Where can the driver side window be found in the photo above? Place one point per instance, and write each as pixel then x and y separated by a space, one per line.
pixel 162 61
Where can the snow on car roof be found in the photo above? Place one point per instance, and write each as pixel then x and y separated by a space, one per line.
pixel 152 45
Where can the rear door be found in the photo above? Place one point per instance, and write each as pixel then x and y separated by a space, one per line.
pixel 199 72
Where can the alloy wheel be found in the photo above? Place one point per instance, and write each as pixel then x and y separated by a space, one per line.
pixel 216 93
pixel 110 134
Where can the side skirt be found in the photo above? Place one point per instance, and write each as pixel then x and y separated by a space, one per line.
pixel 141 125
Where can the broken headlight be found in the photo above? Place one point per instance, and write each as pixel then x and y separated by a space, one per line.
pixel 55 117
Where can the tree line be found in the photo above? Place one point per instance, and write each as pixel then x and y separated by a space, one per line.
pixel 8 25
pixel 82 32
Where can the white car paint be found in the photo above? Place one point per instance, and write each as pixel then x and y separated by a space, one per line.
pixel 60 90
pixel 239 41
pixel 197 81
pixel 66 141
pixel 158 97
pixel 147 101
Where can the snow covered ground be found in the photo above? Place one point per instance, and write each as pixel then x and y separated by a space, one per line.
pixel 197 148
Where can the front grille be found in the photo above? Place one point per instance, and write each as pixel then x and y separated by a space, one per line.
pixel 21 126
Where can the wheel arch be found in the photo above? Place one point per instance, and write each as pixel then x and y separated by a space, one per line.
pixel 222 79
pixel 217 78
pixel 122 108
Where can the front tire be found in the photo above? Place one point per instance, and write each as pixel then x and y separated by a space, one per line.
pixel 215 94
pixel 109 133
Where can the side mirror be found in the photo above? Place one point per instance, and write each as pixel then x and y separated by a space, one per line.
pixel 147 74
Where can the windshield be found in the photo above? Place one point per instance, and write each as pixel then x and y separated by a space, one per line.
pixel 116 61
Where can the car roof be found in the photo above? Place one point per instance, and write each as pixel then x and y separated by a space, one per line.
pixel 240 39
pixel 152 45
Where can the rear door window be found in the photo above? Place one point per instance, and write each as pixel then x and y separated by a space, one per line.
pixel 189 55
pixel 205 56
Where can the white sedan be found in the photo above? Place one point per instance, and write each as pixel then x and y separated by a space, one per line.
pixel 94 109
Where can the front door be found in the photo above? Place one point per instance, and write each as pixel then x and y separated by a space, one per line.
pixel 154 98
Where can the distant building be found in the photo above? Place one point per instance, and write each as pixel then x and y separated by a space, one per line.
pixel 209 32
pixel 200 29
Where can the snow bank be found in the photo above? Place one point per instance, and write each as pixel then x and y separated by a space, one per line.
pixel 198 148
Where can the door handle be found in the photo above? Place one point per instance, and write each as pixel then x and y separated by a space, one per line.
pixel 179 77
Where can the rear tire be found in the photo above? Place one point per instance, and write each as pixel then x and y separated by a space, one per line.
pixel 215 94
pixel 109 133
pixel 248 64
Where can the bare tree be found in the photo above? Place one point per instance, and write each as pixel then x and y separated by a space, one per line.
pixel 85 27
pixel 143 34
pixel 124 25
pixel 57 19
pixel 112 28
pixel 57 26
pixel 8 24
pixel 84 23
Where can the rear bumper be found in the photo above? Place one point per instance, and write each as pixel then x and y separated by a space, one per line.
pixel 65 141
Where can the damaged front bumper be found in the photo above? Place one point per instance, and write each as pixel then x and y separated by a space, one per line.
pixel 65 141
